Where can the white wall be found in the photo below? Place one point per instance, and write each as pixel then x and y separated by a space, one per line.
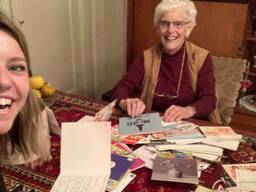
pixel 46 26
pixel 100 41
pixel 84 51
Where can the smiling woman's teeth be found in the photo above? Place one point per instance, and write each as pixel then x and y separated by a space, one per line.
pixel 170 38
pixel 5 103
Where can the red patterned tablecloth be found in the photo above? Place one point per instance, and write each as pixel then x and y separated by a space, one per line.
pixel 69 108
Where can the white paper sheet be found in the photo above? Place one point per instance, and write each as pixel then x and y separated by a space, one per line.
pixel 196 148
pixel 83 183
pixel 147 154
pixel 85 157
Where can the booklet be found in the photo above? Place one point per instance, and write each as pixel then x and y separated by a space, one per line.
pixel 84 168
pixel 143 124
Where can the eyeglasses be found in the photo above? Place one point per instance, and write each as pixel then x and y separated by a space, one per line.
pixel 176 24
pixel 168 95
pixel 179 82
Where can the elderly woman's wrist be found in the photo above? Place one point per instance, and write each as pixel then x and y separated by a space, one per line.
pixel 122 104
pixel 191 111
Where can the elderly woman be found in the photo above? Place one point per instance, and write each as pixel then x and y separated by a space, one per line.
pixel 23 137
pixel 174 77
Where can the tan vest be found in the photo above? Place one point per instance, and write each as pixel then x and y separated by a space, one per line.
pixel 152 59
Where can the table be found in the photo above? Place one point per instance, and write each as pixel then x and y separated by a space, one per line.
pixel 68 108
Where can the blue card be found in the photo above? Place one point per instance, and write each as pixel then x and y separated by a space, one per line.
pixel 119 166
pixel 143 124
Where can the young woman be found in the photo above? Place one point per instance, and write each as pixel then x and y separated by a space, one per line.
pixel 22 138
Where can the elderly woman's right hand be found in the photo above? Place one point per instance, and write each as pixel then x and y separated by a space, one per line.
pixel 133 106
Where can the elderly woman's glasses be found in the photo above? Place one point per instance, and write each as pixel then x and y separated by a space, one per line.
pixel 176 24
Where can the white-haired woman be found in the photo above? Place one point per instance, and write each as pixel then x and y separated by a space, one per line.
pixel 174 77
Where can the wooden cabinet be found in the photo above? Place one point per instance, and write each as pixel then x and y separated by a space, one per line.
pixel 243 119
pixel 220 26
pixel 250 45
pixel 250 42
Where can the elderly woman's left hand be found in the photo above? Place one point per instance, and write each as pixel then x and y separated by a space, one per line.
pixel 177 113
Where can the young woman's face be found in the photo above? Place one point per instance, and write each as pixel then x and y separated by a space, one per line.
pixel 14 81
pixel 173 29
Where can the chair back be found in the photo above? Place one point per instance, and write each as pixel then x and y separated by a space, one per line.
pixel 228 73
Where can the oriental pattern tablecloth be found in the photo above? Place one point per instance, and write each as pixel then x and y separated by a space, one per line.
pixel 70 108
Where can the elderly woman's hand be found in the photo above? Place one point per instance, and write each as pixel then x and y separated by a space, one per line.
pixel 133 106
pixel 177 113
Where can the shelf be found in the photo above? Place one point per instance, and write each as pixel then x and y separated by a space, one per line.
pixel 250 38
pixel 252 73
pixel 243 110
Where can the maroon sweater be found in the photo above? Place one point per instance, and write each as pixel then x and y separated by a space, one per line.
pixel 203 100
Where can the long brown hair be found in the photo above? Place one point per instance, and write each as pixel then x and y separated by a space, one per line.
pixel 25 137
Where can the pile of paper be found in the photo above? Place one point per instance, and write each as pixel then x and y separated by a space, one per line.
pixel 221 136
pixel 176 152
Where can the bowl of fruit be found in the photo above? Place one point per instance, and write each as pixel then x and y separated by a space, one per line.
pixel 42 89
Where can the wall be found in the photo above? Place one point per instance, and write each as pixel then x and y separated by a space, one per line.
pixel 77 45
pixel 102 31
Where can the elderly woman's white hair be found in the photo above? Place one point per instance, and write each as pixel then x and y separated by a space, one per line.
pixel 167 5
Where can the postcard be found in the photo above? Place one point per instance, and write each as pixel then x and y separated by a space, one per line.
pixel 147 154
pixel 124 182
pixel 83 167
pixel 201 188
pixel 132 139
pixel 180 170
pixel 193 148
pixel 143 124
pixel 173 125
pixel 103 115
pixel 186 141
pixel 119 166
pixel 246 180
pixel 124 150
pixel 231 169
pixel 118 186
pixel 208 157
pixel 226 144
pixel 220 132
pixel 184 132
